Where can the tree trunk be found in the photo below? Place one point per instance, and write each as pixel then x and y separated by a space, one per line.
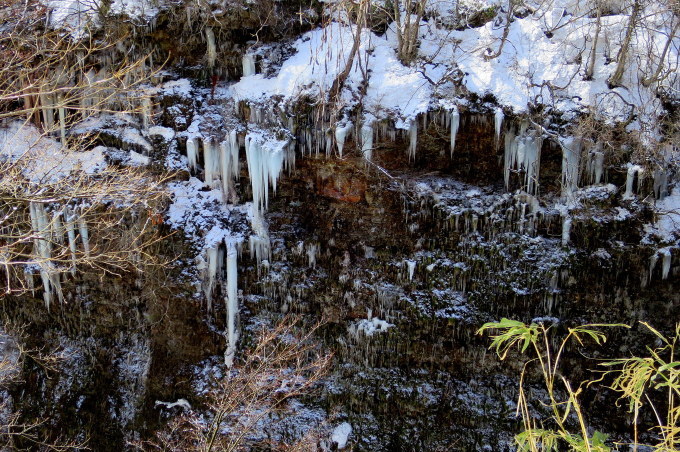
pixel 593 51
pixel 656 75
pixel 615 79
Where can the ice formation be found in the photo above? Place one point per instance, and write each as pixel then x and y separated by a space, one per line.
pixel 232 303
pixel 341 133
pixel 211 51
pixel 660 183
pixel 265 161
pixel 146 113
pixel 498 122
pixel 571 155
pixel 411 267
pixel 566 230
pixel 44 235
pixel 212 164
pixel 632 172
pixel 248 65
pixel 340 435
pixel 413 138
pixel 367 140
pixel 596 165
pixel 455 124
pixel 212 268
pixel 523 153
pixel 666 262
pixel 229 165
pixel 192 153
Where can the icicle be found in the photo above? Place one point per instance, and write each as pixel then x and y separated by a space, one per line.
pixel 43 250
pixel 211 160
pixel 146 113
pixel 510 157
pixel 566 230
pixel 498 122
pixel 211 48
pixel 633 170
pixel 312 251
pixel 411 268
pixel 367 140
pixel 57 228
pixel 71 233
pixel 660 183
pixel 211 271
pixel 666 262
pixel 413 139
pixel 62 120
pixel 84 235
pixel 192 153
pixel 571 153
pixel 232 304
pixel 229 165
pixel 248 65
pixel 523 153
pixel 455 123
pixel 652 264
pixel 47 112
pixel 260 248
pixel 264 166
pixel 596 166
pixel 341 133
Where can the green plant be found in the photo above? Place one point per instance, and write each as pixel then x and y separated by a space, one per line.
pixel 633 378
pixel 537 337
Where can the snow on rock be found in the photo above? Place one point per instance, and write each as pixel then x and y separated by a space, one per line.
pixel 45 158
pixel 340 435
pixel 167 133
pixel 667 225
pixel 203 216
pixel 181 403
pixel 369 327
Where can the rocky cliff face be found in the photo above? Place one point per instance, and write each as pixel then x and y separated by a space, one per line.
pixel 401 241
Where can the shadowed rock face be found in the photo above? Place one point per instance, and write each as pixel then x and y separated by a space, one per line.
pixel 434 245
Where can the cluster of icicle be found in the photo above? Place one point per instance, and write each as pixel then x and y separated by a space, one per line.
pixel 522 153
pixel 215 257
pixel 52 229
pixel 266 159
